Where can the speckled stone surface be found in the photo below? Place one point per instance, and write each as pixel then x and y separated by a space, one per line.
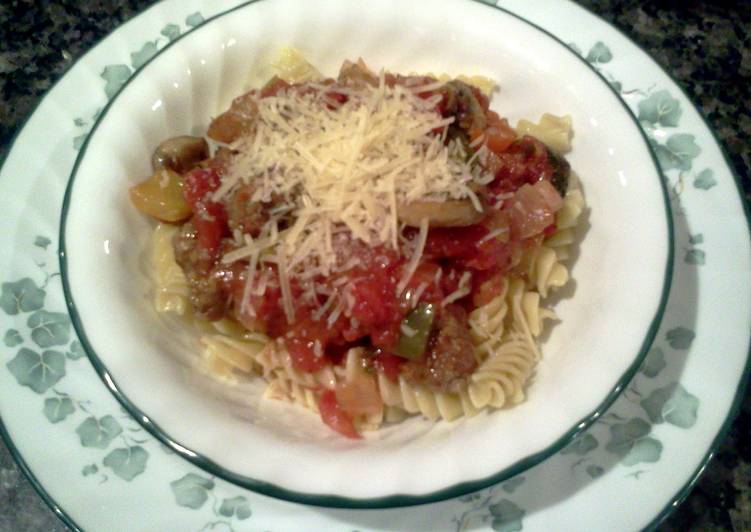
pixel 706 46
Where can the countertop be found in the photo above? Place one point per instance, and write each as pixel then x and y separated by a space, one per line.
pixel 706 46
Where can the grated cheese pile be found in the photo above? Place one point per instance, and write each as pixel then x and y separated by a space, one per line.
pixel 341 171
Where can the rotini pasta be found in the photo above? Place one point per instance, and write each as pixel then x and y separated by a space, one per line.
pixel 566 220
pixel 545 271
pixel 227 356
pixel 554 131
pixel 488 323
pixel 292 67
pixel 171 286
pixel 501 378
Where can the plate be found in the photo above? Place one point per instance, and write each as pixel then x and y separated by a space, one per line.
pixel 605 327
pixel 631 466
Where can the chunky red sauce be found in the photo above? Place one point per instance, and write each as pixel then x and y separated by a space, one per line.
pixel 514 217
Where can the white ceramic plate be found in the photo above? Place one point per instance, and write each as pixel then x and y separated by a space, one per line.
pixel 99 469
pixel 606 326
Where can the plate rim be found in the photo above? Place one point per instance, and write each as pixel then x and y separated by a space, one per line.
pixel 399 499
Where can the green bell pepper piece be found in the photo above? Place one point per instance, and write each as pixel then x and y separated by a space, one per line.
pixel 419 320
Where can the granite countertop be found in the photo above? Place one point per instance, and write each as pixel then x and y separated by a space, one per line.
pixel 706 46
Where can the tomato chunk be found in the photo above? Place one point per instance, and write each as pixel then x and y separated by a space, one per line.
pixel 453 242
pixel 306 343
pixel 335 417
pixel 498 135
pixel 198 183
pixel 210 221
pixel 210 217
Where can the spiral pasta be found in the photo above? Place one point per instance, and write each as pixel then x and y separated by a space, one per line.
pixel 545 272
pixel 555 131
pixel 280 388
pixel 418 399
pixel 171 286
pixel 501 378
pixel 566 220
pixel 226 357
pixel 487 323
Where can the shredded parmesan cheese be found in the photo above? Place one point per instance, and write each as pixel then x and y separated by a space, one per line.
pixel 463 290
pixel 333 166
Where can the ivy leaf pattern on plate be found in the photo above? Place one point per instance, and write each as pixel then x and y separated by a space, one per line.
pixel 695 257
pixel 12 338
pixel 660 109
pixel 191 491
pixel 510 485
pixel 507 516
pixel 49 328
pixel 57 409
pixel 599 54
pixel 142 56
pixel 171 31
pixel 21 296
pixel 38 372
pixel 644 450
pixel 654 363
pixel 235 507
pixel 42 242
pixel 705 180
pixel 75 351
pixel 127 462
pixel 630 441
pixel 194 20
pixel 678 152
pixel 672 404
pixel 680 337
pixel 115 77
pixel 90 469
pixel 581 445
pixel 98 433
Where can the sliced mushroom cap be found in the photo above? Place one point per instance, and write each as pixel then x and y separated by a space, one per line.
pixel 452 213
pixel 461 101
pixel 180 154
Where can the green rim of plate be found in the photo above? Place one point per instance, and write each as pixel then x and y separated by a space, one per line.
pixel 338 501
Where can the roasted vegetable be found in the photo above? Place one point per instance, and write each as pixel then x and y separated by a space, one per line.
pixel 235 122
pixel 461 101
pixel 452 213
pixel 416 329
pixel 161 196
pixel 180 154
pixel 561 172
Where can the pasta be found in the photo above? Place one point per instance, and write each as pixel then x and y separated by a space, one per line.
pixel 419 296
pixel 171 285
pixel 554 131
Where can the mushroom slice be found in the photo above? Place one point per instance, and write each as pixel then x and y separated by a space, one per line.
pixel 451 213
pixel 180 154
